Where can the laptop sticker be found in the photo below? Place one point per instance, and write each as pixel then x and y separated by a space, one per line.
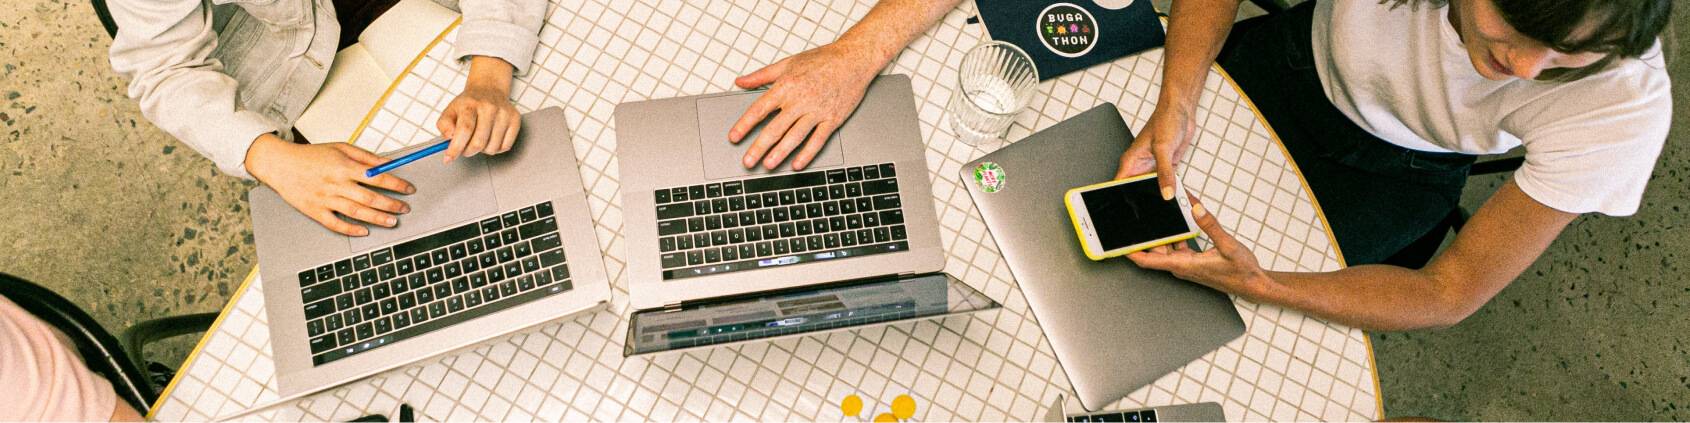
pixel 1067 29
pixel 990 177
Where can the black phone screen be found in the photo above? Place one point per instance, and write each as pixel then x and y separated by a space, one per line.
pixel 1132 213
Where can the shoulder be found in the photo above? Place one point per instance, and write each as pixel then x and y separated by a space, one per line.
pixel 1631 97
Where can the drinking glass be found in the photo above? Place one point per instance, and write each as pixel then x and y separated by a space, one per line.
pixel 995 82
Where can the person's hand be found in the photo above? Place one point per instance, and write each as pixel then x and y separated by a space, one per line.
pixel 322 180
pixel 1228 266
pixel 813 92
pixel 1160 146
pixel 481 119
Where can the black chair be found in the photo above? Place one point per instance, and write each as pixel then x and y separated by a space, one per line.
pixel 104 13
pixel 114 358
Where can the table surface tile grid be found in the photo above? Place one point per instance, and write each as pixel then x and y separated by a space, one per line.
pixel 990 366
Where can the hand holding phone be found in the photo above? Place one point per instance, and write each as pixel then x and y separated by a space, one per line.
pixel 1120 217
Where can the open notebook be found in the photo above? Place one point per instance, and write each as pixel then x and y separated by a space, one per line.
pixel 362 73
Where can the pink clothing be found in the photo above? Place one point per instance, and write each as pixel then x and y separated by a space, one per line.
pixel 41 376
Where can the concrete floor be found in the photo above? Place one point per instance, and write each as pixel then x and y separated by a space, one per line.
pixel 116 215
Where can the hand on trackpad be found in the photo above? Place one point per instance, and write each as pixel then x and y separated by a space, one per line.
pixel 446 194
pixel 722 159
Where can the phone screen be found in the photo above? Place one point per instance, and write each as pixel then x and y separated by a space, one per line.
pixel 1132 213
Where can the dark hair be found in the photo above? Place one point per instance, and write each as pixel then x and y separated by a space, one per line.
pixel 1623 28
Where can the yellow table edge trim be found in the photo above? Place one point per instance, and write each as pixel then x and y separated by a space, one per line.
pixel 1373 363
pixel 162 395
pixel 250 276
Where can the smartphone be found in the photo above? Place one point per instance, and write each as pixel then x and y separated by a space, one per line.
pixel 1120 217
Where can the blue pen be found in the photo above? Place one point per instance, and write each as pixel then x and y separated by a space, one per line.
pixel 396 163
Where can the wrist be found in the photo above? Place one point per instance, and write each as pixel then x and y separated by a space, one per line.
pixel 867 55
pixel 489 73
pixel 257 155
pixel 1257 284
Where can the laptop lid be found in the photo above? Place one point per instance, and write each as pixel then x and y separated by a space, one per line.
pixel 802 311
pixel 1114 326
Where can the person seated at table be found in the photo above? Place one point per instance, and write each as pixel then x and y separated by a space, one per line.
pixel 44 379
pixel 1384 105
pixel 230 78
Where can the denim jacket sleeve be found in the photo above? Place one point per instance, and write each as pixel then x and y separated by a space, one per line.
pixel 506 29
pixel 165 49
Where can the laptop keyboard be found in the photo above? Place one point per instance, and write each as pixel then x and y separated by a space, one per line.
pixel 779 220
pixel 374 299
pixel 1146 415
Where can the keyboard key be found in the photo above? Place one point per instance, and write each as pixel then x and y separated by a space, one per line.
pixel 881 186
pixel 1147 416
pixel 898 233
pixel 319 309
pixel 360 262
pixel 508 288
pixel 307 278
pixel 510 236
pixel 381 257
pixel 343 267
pixel 333 322
pixel 401 320
pixel 729 253
pixel 830 241
pixel 674 260
pixel 455 304
pixel 477 280
pixel 491 293
pixel 888 170
pixel 472 299
pixel 695 258
pixel 543 209
pixel 352 317
pixel 747 251
pixel 315 327
pixel 523 250
pixel 527 214
pixel 512 269
pixel 345 336
pixel 683 242
pixel 696 192
pixel 712 255
pixel 370 311
pixel 530 264
pixel 871 172
pixel 322 343
pixel 320 291
pixel 325 272
pixel 666 244
pixel 551 258
pixel 526 282
pixel 882 235
pixel 475 246
pixel 422 261
pixel 460 285
pixel 491 225
pixel 457 251
pixel 863 204
pixel 506 255
pixel 847 206
pixel 343 301
pixel 853 189
pixel 492 241
pixel 713 223
pixel 662 196
pixel 381 291
pixel 425 295
pixel 407 301
pixel 436 309
pixel 808 195
pixel 510 219
pixel 452 270
pixel 892 217
pixel 835 176
pixel 678 194
pixel 419 314
pixel 835 192
pixel 389 306
pixel 674 211
pixel 713 190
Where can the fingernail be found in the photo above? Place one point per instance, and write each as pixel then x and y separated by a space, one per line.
pixel 1198 210
pixel 389 221
pixel 405 209
pixel 1167 193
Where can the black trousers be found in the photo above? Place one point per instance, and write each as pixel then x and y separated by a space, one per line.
pixel 1377 197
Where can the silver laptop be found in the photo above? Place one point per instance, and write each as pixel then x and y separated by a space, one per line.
pixel 701 226
pixel 801 311
pixel 1114 326
pixel 495 244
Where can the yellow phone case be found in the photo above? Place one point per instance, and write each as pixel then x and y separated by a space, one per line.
pixel 1080 234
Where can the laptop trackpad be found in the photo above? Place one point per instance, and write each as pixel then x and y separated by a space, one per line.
pixel 446 194
pixel 716 115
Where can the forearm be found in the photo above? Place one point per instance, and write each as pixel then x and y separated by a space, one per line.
pixel 893 24
pixel 1370 297
pixel 1196 31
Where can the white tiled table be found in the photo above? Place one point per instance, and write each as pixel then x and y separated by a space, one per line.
pixel 989 366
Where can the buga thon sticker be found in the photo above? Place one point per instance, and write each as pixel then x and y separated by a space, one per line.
pixel 1067 30
pixel 989 176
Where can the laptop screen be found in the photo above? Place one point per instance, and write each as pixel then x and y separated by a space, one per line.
pixel 814 309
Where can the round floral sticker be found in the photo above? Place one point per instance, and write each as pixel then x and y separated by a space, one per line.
pixel 989 176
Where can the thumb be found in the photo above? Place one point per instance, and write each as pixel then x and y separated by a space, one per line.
pixel 1224 242
pixel 1165 175
pixel 765 76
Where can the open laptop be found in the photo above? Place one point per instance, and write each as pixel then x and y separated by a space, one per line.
pixel 495 244
pixel 801 311
pixel 701 226
pixel 1115 327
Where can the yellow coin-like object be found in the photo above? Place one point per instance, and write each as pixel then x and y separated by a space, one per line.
pixel 903 407
pixel 885 418
pixel 852 405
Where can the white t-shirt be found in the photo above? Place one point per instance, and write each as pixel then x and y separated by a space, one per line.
pixel 41 376
pixel 1402 74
